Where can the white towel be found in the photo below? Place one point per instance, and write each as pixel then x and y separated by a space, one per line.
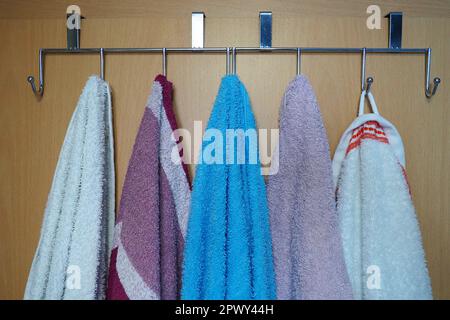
pixel 381 236
pixel 76 236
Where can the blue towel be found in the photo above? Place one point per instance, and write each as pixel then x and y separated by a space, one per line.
pixel 228 251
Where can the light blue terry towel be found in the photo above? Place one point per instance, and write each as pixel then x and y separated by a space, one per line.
pixel 228 251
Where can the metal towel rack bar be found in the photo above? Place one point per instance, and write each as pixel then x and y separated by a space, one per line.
pixel 429 92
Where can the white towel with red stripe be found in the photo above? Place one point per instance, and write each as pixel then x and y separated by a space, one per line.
pixel 380 232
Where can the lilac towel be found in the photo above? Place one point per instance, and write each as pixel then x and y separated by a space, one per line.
pixel 146 258
pixel 306 240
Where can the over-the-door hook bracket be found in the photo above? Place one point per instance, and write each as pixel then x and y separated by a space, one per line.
pixel 73 25
pixel 265 29
pixel 198 29
pixel 395 29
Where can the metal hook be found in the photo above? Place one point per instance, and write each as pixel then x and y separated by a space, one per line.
pixel 363 69
pixel 164 61
pixel 234 60
pixel 436 81
pixel 228 61
pixel 299 61
pixel 369 84
pixel 30 79
pixel 364 86
pixel 102 63
pixel 429 93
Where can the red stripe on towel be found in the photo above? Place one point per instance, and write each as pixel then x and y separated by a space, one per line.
pixel 406 178
pixel 369 130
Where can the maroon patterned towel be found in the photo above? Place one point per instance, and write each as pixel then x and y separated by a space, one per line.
pixel 149 236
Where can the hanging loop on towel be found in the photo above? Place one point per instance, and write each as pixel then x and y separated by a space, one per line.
pixel 372 103
pixel 164 61
pixel 299 61
pixel 102 63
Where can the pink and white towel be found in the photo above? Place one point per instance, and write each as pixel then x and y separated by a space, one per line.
pixel 150 230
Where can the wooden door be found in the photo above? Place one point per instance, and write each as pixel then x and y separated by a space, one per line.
pixel 32 130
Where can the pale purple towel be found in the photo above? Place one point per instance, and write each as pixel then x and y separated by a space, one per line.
pixel 306 240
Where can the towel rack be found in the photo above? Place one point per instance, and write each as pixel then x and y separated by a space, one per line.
pixel 235 50
pixel 264 48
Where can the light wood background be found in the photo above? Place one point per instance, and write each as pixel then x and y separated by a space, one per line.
pixel 32 131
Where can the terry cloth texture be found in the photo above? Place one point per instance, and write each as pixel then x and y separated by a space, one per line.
pixel 228 252
pixel 71 260
pixel 307 246
pixel 149 235
pixel 381 236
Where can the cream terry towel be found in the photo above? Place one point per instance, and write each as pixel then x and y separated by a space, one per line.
pixel 381 236
pixel 72 256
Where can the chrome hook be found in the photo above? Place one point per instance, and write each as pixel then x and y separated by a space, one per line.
pixel 436 81
pixel 39 92
pixel 102 63
pixel 164 61
pixel 234 60
pixel 299 61
pixel 364 86
pixel 30 79
pixel 363 69
pixel 429 93
pixel 228 61
pixel 369 84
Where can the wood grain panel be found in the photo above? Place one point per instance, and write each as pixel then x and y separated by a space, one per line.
pixel 218 8
pixel 32 131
